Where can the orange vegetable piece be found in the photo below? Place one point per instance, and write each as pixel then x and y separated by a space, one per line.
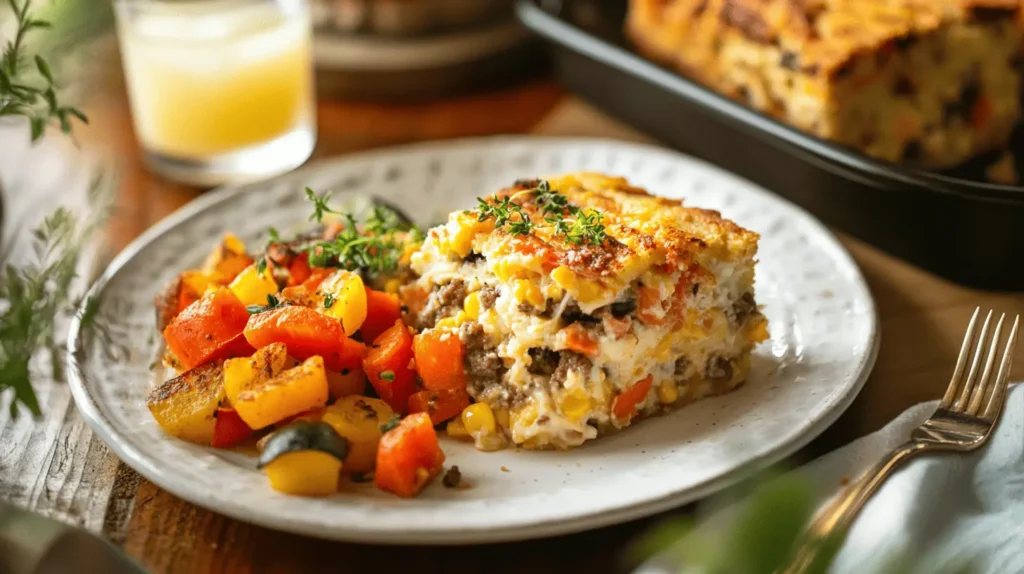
pixel 624 405
pixel 579 339
pixel 305 333
pixel 382 310
pixel 439 405
pixel 299 271
pixel 408 457
pixel 439 360
pixel 207 329
pixel 229 429
pixel 981 113
pixel 386 364
pixel 648 306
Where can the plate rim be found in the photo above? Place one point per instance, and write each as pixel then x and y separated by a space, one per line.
pixel 134 458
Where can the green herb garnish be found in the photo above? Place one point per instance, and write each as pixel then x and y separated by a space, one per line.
pixel 388 376
pixel 320 206
pixel 30 91
pixel 328 300
pixel 577 225
pixel 395 421
pixel 272 303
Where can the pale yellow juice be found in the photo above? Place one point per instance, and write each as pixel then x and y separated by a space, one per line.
pixel 203 84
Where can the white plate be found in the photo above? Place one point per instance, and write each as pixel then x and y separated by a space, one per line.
pixel 823 342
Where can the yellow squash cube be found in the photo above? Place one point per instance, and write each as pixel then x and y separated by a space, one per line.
pixel 246 373
pixel 359 419
pixel 291 392
pixel 185 406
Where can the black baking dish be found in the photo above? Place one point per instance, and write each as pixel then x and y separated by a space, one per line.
pixel 951 224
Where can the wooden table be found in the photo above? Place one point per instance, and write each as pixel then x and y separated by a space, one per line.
pixel 922 319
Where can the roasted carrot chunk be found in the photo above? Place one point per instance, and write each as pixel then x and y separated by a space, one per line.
pixel 382 310
pixel 386 364
pixel 229 429
pixel 439 360
pixel 408 457
pixel 207 329
pixel 439 405
pixel 579 339
pixel 650 309
pixel 624 405
pixel 305 333
pixel 299 271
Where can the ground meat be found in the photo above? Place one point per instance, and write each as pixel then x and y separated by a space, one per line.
pixel 544 361
pixel 573 314
pixel 481 362
pixel 569 361
pixel 620 309
pixel 682 363
pixel 546 312
pixel 445 301
pixel 488 295
pixel 719 370
pixel 744 307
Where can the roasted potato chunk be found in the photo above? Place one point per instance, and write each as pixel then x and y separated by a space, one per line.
pixel 185 406
pixel 247 373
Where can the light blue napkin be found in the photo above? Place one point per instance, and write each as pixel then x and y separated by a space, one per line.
pixel 939 509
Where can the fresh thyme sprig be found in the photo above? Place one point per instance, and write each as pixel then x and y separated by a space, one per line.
pixel 34 295
pixel 578 226
pixel 376 247
pixel 28 94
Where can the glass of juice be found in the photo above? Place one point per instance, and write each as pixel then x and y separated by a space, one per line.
pixel 221 90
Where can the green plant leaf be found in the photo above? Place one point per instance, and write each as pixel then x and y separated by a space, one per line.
pixel 44 68
pixel 37 127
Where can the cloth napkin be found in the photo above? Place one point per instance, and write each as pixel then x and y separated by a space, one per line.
pixel 940 509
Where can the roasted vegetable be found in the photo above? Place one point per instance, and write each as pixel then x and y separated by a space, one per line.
pixel 382 310
pixel 289 393
pixel 345 383
pixel 246 373
pixel 208 329
pixel 439 360
pixel 305 333
pixel 304 458
pixel 624 405
pixel 185 406
pixel 229 429
pixel 170 301
pixel 252 288
pixel 343 297
pixel 386 364
pixel 359 419
pixel 408 457
pixel 227 259
pixel 439 405
pixel 299 271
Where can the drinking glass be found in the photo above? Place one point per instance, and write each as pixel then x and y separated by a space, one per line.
pixel 220 90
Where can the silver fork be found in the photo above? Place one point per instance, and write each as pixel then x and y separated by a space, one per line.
pixel 959 424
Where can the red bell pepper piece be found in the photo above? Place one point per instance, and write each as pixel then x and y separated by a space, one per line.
pixel 386 364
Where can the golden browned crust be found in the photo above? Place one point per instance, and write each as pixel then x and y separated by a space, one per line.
pixel 820 35
pixel 639 226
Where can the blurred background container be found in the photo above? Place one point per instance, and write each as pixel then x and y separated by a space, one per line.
pixel 414 49
pixel 220 90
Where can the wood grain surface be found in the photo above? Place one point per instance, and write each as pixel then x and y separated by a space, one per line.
pixel 922 320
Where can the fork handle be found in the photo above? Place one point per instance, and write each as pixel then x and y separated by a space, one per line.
pixel 839 513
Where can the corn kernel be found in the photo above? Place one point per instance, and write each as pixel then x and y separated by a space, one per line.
pixel 472 305
pixel 525 416
pixel 668 393
pixel 501 417
pixel 461 241
pixel 456 429
pixel 564 276
pixel 575 405
pixel 758 331
pixel 478 419
pixel 527 292
pixel 392 285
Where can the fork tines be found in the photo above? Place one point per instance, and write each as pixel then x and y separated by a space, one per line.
pixel 966 394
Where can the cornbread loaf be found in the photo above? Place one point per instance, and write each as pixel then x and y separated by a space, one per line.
pixel 927 82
